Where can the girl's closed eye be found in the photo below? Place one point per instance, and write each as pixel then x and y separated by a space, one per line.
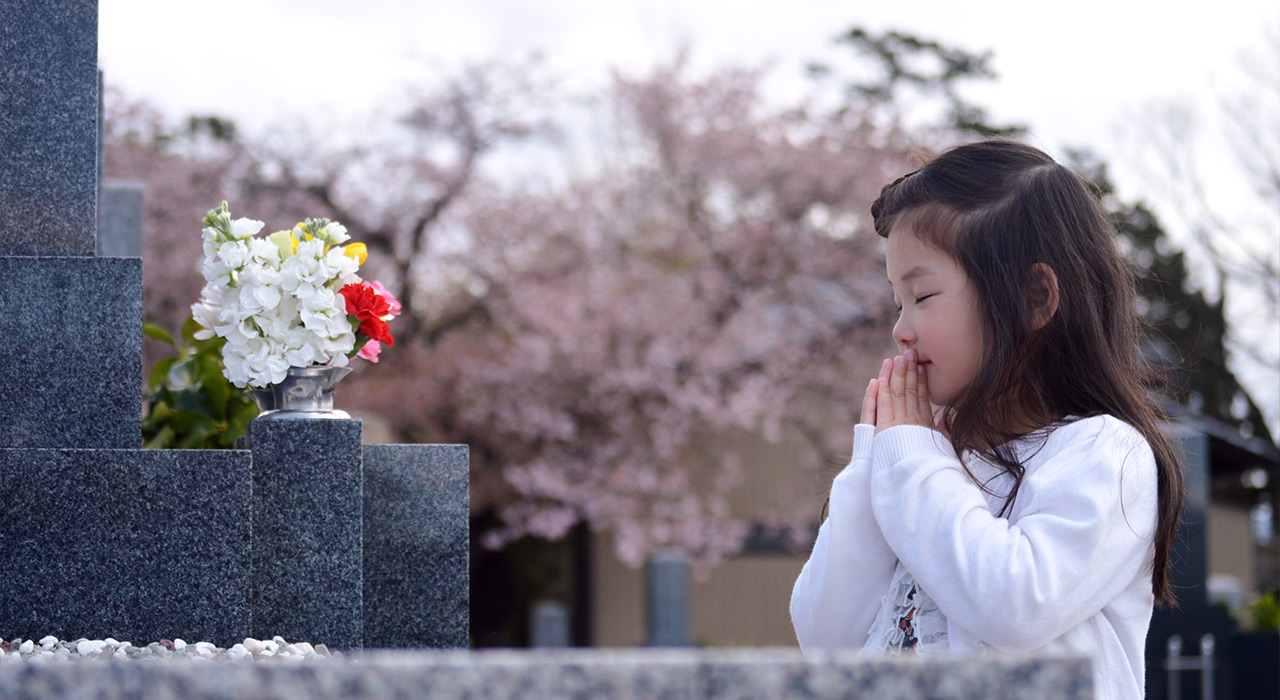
pixel 898 307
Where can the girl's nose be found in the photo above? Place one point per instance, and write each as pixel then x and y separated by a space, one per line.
pixel 903 334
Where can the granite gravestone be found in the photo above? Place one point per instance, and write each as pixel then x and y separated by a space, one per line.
pixel 70 323
pixel 100 537
pixel 120 212
pixel 417 546
pixel 103 539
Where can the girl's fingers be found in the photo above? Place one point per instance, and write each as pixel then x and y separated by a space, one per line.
pixel 869 403
pixel 922 381
pixel 910 387
pixel 898 388
pixel 884 406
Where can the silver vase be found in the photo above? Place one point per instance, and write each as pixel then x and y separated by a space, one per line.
pixel 305 393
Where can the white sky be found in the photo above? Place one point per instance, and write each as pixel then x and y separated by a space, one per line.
pixel 1076 72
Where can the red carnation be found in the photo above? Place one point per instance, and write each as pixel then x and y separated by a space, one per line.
pixel 368 307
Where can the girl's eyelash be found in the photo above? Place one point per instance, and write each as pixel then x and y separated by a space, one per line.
pixel 919 299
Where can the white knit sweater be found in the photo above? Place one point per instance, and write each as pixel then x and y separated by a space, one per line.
pixel 1068 569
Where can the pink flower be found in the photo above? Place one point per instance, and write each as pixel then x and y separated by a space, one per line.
pixel 392 301
pixel 370 351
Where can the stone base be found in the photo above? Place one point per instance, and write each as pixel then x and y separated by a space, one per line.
pixel 138 545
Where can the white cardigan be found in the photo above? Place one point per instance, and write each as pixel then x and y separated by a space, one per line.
pixel 1068 569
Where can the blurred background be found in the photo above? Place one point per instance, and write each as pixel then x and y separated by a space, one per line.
pixel 633 246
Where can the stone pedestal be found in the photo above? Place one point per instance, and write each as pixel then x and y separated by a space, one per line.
pixel 307 531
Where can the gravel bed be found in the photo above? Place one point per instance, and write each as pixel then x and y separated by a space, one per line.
pixel 51 649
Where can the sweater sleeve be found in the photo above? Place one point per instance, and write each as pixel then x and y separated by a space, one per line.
pixel 1080 530
pixel 838 593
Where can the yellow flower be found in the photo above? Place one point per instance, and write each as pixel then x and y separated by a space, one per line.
pixel 285 241
pixel 358 251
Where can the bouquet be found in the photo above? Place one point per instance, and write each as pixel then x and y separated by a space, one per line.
pixel 291 299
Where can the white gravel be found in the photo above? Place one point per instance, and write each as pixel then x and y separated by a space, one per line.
pixel 51 648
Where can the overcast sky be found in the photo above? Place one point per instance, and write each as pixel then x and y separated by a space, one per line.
pixel 1078 73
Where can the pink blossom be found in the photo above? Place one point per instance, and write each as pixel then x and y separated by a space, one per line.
pixel 370 351
pixel 392 301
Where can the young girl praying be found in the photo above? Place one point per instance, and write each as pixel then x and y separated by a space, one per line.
pixel 1010 486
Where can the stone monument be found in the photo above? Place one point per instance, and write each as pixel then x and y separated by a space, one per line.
pixel 310 535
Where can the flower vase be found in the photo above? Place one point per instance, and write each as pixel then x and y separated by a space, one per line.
pixel 306 392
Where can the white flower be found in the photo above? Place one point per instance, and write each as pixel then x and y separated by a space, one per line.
pixel 265 252
pixel 302 348
pixel 244 228
pixel 206 311
pixel 339 264
pixel 216 272
pixel 266 364
pixel 234 254
pixel 336 233
pixel 304 267
pixel 259 289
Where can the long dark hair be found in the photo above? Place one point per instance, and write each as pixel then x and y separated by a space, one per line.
pixel 999 208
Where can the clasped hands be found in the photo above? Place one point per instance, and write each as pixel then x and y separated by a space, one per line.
pixel 899 396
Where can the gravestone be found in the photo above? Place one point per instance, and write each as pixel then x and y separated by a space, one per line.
pixel 48 129
pixel 70 323
pixel 120 212
pixel 100 538
pixel 417 546
pixel 667 599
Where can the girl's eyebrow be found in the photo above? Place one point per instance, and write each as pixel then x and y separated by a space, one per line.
pixel 914 272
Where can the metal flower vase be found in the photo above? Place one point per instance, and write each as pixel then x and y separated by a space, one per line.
pixel 305 393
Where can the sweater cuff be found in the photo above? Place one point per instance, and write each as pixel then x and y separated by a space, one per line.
pixel 863 434
pixel 903 441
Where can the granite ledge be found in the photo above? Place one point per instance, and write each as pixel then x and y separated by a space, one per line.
pixel 630 674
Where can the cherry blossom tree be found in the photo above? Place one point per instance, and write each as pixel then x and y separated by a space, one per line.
pixel 713 273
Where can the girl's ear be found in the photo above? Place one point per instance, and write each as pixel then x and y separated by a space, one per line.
pixel 1043 295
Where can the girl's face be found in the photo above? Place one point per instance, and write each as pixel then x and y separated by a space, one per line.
pixel 938 313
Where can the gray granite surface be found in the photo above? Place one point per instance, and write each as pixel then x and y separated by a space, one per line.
pixel 138 545
pixel 307 530
pixel 120 210
pixel 416 546
pixel 48 129
pixel 71 339
pixel 688 674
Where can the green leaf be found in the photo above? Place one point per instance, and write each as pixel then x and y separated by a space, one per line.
pixel 210 412
pixel 162 440
pixel 155 332
pixel 189 328
pixel 160 373
pixel 218 390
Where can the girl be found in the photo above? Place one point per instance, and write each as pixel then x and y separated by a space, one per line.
pixel 1010 487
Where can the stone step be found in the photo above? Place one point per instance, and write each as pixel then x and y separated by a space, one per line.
pixel 71 339
pixel 130 544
